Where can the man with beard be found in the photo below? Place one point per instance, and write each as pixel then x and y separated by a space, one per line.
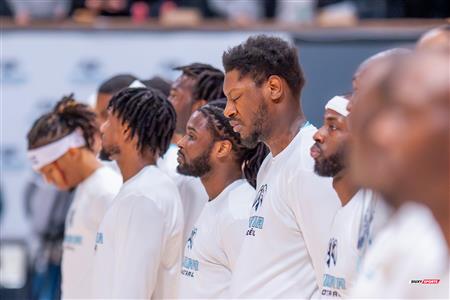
pixel 212 151
pixel 197 85
pixel 281 255
pixel 353 227
pixel 138 244
pixel 399 127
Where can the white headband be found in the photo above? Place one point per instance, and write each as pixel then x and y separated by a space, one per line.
pixel 339 105
pixel 137 84
pixel 47 154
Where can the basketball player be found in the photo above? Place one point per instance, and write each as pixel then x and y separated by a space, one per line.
pixel 362 213
pixel 282 252
pixel 138 245
pixel 411 248
pixel 212 151
pixel 61 146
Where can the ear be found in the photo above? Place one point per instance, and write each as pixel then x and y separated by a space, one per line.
pixel 223 149
pixel 74 152
pixel 275 88
pixel 197 104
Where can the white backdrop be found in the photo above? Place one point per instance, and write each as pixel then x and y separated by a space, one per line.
pixel 38 67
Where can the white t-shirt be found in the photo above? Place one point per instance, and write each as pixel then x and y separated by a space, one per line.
pixel 352 232
pixel 214 244
pixel 411 247
pixel 192 192
pixel 91 200
pixel 288 227
pixel 138 246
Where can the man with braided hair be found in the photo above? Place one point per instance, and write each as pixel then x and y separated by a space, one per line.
pixel 197 85
pixel 62 147
pixel 138 245
pixel 212 151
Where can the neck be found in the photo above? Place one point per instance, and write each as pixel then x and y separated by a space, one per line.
pixel 287 128
pixel 219 178
pixel 89 165
pixel 130 165
pixel 344 187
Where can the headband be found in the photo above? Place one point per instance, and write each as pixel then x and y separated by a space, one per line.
pixel 339 105
pixel 47 154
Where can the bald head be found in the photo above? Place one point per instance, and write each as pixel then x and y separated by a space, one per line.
pixel 437 39
pixel 372 63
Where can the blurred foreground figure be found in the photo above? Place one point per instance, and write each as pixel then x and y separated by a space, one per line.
pixel 400 125
pixel 62 147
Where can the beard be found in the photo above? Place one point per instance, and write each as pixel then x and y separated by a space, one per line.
pixel 199 166
pixel 332 165
pixel 257 133
pixel 107 152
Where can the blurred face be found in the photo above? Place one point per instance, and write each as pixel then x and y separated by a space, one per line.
pixel 330 149
pixel 63 173
pixel 414 133
pixel 113 136
pixel 101 107
pixel 195 147
pixel 367 160
pixel 246 108
pixel 181 99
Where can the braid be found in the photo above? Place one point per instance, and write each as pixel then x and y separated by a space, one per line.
pixel 249 159
pixel 209 86
pixel 149 116
pixel 66 117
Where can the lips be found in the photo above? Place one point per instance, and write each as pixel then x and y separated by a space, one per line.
pixel 180 157
pixel 315 151
pixel 236 126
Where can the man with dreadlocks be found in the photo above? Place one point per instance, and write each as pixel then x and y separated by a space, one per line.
pixel 61 146
pixel 138 245
pixel 212 151
pixel 197 85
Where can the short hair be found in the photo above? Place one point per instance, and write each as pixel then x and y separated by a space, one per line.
pixel 67 116
pixel 149 116
pixel 261 56
pixel 209 86
pixel 158 83
pixel 250 159
pixel 116 83
pixel 195 69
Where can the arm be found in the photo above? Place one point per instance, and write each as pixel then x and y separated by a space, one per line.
pixel 138 252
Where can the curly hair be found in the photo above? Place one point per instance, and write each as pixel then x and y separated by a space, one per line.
pixel 261 56
pixel 67 116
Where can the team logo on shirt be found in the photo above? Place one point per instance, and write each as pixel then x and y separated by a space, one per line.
pixel 259 197
pixel 332 252
pixel 98 240
pixel 190 241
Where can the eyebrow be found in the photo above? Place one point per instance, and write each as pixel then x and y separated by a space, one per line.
pixel 232 90
pixel 191 128
pixel 331 119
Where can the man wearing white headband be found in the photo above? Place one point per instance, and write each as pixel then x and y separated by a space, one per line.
pixel 355 222
pixel 62 147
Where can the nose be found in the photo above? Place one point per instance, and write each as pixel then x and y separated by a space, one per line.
pixel 181 142
pixel 318 136
pixel 230 109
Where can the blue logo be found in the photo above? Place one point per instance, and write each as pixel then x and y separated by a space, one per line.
pixel 190 241
pixel 332 252
pixel 259 197
pixel 99 238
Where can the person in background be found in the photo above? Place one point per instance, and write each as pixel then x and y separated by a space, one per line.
pixel 62 147
pixel 139 242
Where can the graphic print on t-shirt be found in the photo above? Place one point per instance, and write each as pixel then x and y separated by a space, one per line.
pixel 257 222
pixel 190 266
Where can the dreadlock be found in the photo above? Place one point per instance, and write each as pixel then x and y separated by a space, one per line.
pixel 249 159
pixel 195 69
pixel 66 117
pixel 148 115
pixel 209 86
